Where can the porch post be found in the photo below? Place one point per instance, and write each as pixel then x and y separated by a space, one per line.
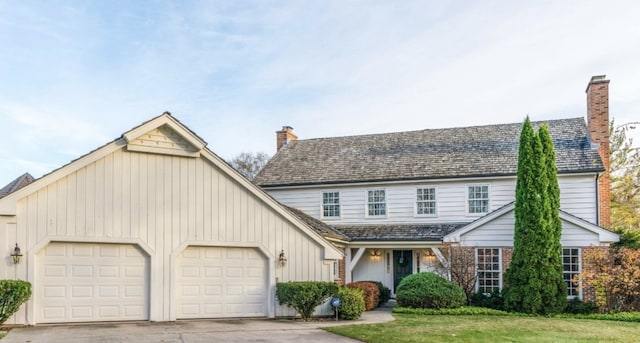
pixel 351 263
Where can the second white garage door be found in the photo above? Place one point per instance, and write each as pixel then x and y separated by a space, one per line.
pixel 219 282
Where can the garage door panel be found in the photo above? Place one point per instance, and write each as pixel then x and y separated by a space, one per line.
pixel 84 282
pixel 81 271
pixel 225 286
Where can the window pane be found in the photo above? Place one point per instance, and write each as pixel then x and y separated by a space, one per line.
pixel 478 199
pixel 376 204
pixel 330 204
pixel 571 270
pixel 426 200
pixel 489 269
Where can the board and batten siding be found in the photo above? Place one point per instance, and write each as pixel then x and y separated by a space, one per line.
pixel 577 196
pixel 499 233
pixel 164 204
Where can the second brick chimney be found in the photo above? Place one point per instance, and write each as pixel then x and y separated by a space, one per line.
pixel 284 136
pixel 598 122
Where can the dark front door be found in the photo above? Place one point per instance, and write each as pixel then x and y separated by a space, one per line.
pixel 402 266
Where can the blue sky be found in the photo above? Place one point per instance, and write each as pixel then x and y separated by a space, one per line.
pixel 77 74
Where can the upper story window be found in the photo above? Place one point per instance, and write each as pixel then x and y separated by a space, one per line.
pixel 426 201
pixel 489 270
pixel 376 202
pixel 571 270
pixel 330 204
pixel 478 198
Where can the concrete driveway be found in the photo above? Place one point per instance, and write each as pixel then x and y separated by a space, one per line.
pixel 193 331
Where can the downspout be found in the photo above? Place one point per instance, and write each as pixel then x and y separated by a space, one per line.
pixel 597 200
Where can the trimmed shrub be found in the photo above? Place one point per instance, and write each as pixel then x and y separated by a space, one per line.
pixel 577 306
pixel 385 292
pixel 371 293
pixel 493 300
pixel 429 290
pixel 305 296
pixel 13 293
pixel 351 303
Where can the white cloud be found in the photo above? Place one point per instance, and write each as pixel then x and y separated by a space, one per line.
pixel 235 72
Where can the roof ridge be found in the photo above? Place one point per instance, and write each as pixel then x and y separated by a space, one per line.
pixel 433 130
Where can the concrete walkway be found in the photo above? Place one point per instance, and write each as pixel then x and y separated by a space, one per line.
pixel 194 331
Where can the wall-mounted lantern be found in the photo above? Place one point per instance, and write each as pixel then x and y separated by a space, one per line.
pixel 17 255
pixel 430 257
pixel 282 259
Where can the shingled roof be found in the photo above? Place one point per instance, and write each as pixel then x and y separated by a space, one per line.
pixel 320 227
pixel 477 151
pixel 401 232
pixel 22 181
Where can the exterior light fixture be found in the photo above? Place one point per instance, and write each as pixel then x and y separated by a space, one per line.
pixel 375 253
pixel 282 259
pixel 17 255
pixel 430 257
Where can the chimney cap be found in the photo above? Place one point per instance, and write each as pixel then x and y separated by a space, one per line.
pixel 597 79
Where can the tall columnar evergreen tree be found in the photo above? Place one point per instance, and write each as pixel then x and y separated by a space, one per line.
pixel 555 298
pixel 532 278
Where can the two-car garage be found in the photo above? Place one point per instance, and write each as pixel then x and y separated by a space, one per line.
pixel 87 282
pixel 154 226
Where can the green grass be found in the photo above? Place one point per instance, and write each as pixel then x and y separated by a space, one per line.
pixel 490 328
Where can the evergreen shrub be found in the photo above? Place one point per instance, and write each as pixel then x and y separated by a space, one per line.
pixel 305 296
pixel 13 293
pixel 429 290
pixel 351 303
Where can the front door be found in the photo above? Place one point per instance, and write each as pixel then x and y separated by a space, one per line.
pixel 402 266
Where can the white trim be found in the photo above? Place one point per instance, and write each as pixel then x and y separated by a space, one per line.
pixel 366 204
pixel 415 202
pixel 579 272
pixel 466 199
pixel 500 267
pixel 351 263
pixel 322 204
pixel 454 237
pixel 165 119
pixel 604 236
pixel 410 181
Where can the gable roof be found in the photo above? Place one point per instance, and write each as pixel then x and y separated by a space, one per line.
pixel 604 235
pixel 22 181
pixel 185 143
pixel 477 151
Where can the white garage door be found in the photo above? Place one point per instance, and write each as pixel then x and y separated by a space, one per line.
pixel 85 282
pixel 218 282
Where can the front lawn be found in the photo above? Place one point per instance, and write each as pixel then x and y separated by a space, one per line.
pixel 490 328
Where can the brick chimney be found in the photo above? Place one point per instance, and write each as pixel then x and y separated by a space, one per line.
pixel 598 122
pixel 284 136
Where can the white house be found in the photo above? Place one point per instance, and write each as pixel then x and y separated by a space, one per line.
pixel 154 226
pixel 400 197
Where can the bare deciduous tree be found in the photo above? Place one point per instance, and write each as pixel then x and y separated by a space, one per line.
pixel 249 164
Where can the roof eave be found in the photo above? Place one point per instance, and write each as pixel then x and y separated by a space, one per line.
pixel 422 178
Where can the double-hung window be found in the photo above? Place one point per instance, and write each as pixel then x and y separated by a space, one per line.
pixel 426 201
pixel 330 204
pixel 489 269
pixel 376 203
pixel 477 199
pixel 571 270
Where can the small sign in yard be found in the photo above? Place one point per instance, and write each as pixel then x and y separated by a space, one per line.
pixel 335 302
